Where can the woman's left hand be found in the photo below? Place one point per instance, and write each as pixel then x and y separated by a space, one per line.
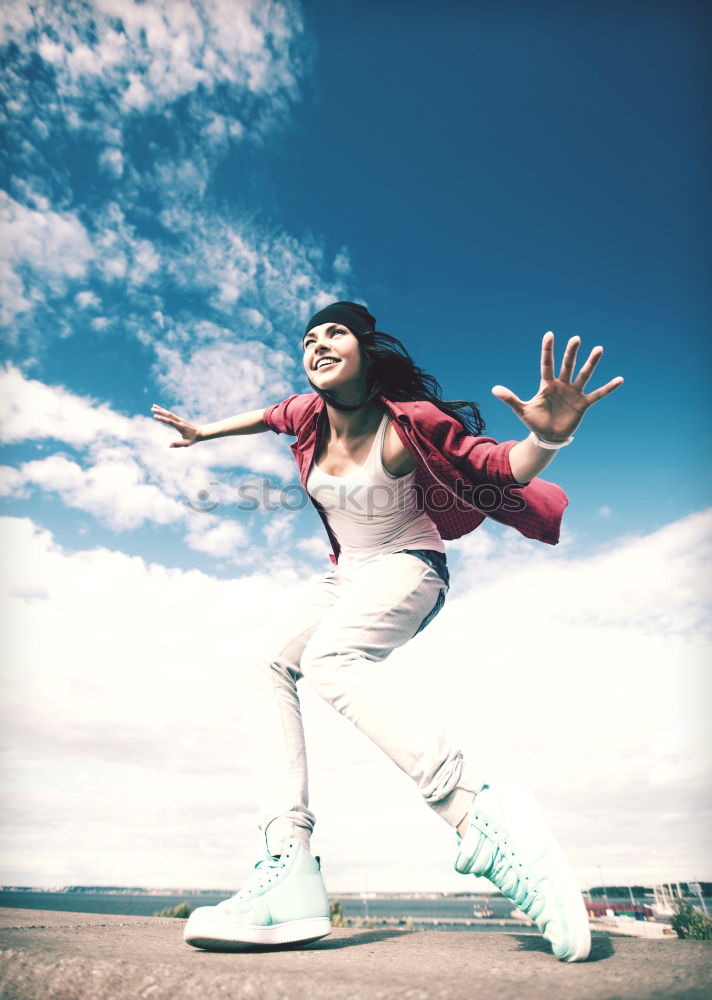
pixel 558 407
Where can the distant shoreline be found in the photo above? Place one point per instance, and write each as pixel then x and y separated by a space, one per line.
pixel 431 908
pixel 89 890
pixel 597 892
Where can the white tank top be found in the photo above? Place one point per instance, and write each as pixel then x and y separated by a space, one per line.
pixel 370 511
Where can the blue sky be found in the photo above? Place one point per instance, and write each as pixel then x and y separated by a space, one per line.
pixel 184 181
pixel 480 175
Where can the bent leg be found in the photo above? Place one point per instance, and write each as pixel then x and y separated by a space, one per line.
pixel 383 604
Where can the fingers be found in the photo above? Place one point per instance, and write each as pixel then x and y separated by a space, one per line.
pixel 166 417
pixel 162 414
pixel 568 362
pixel 605 390
pixel 547 356
pixel 508 397
pixel 587 370
pixel 177 423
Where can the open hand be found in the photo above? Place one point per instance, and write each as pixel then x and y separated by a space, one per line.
pixel 558 407
pixel 190 433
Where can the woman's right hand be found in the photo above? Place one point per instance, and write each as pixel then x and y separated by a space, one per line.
pixel 190 433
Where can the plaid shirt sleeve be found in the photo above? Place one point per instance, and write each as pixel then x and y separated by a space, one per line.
pixel 479 459
pixel 285 417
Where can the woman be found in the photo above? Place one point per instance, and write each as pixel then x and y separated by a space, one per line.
pixel 392 470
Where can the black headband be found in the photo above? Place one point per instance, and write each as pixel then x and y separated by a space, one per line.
pixel 356 317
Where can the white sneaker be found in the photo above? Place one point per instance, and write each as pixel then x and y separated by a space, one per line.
pixel 283 902
pixel 509 843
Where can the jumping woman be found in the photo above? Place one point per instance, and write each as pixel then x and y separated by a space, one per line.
pixel 392 470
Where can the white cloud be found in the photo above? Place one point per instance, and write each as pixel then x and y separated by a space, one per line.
pixel 278 530
pixel 29 409
pixel 127 474
pixel 111 57
pixel 224 378
pixel 112 489
pixel 30 196
pixel 150 54
pixel 120 700
pixel 256 319
pixel 214 256
pixel 629 574
pixel 87 300
pixel 292 278
pixel 136 96
pixel 54 245
pixel 146 262
pixel 267 280
pixel 121 254
pixel 241 269
pixel 342 263
pixel 114 267
pixel 33 411
pixel 124 691
pixel 12 482
pixel 316 547
pixel 113 161
pixel 220 128
pixel 225 540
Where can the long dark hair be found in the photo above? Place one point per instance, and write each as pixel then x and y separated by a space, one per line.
pixel 391 372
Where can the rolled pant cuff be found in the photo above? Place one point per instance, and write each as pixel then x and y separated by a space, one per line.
pixel 454 806
pixel 284 827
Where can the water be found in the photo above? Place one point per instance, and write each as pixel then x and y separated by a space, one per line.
pixel 442 909
pixel 129 904
pixel 143 905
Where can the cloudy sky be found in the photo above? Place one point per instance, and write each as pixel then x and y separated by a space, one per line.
pixel 183 182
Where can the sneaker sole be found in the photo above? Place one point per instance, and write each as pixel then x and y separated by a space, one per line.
pixel 205 934
pixel 579 930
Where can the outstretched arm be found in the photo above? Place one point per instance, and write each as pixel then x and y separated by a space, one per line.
pixel 556 410
pixel 242 423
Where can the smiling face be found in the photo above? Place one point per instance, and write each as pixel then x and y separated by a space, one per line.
pixel 333 359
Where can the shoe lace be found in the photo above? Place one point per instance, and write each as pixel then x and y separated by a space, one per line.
pixel 510 876
pixel 266 869
pixel 263 875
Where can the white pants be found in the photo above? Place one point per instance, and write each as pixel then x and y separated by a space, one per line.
pixel 337 639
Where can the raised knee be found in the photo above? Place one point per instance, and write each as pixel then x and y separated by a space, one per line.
pixel 262 667
pixel 326 672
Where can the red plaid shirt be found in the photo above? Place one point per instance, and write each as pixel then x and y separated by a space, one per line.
pixel 460 479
